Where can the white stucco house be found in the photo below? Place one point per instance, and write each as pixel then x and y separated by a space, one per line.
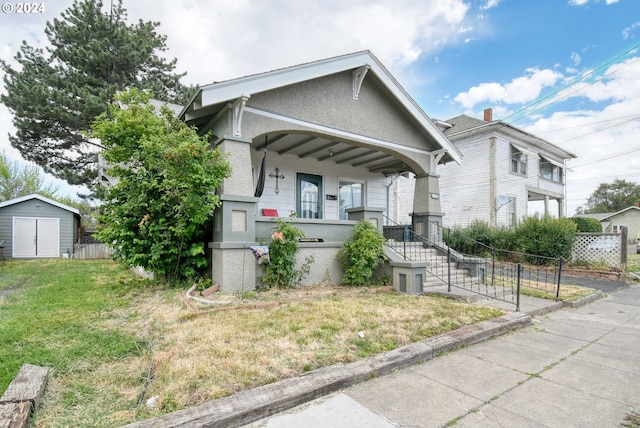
pixel 336 133
pixel 503 172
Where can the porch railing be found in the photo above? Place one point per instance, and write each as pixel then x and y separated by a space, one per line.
pixel 488 271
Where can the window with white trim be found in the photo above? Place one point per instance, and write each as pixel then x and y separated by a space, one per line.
pixel 550 171
pixel 350 196
pixel 617 228
pixel 518 161
pixel 511 212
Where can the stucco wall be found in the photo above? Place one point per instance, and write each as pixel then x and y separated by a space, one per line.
pixel 329 101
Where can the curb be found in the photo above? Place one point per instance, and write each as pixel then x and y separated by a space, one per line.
pixel 22 396
pixel 584 300
pixel 258 403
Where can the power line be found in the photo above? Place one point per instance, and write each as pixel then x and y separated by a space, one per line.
pixel 634 116
pixel 602 129
pixel 577 80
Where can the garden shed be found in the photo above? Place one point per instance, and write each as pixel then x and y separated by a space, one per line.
pixel 34 226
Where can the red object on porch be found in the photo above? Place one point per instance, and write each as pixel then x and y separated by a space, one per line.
pixel 269 212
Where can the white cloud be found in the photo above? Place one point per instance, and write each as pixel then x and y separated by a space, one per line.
pixel 520 90
pixel 229 39
pixel 575 58
pixel 604 138
pixel 627 33
pixel 490 4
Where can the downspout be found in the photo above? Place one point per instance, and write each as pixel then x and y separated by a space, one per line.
pixel 493 194
pixel 393 180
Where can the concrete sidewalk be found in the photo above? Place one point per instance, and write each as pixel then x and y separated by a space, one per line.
pixel 569 368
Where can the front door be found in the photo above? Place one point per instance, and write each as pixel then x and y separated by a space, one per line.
pixel 309 195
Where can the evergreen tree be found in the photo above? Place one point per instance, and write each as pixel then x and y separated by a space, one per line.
pixel 55 95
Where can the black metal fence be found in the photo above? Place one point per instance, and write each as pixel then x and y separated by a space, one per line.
pixel 484 270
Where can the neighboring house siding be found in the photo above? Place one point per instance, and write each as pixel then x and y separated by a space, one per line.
pixel 464 189
pixel 629 218
pixel 511 184
pixel 37 209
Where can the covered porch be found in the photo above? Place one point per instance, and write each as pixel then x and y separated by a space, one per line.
pixel 318 145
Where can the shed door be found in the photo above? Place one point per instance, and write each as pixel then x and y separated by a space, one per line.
pixel 36 237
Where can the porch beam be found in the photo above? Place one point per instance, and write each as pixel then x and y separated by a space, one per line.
pixel 273 140
pixel 375 159
pixel 395 164
pixel 317 149
pixel 345 160
pixel 295 146
pixel 202 130
pixel 341 152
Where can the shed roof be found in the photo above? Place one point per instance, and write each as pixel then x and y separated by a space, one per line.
pixel 40 198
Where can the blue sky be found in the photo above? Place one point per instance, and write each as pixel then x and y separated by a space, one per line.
pixel 452 56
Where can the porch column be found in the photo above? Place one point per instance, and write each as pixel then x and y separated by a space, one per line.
pixel 426 219
pixel 560 208
pixel 546 205
pixel 232 263
pixel 371 214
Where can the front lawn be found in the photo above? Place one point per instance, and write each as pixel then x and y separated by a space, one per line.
pixel 109 337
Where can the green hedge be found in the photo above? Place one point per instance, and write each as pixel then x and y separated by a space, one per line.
pixel 587 225
pixel 546 237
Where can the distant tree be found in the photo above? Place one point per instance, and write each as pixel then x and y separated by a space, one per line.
pixel 20 180
pixel 157 212
pixel 612 197
pixel 55 95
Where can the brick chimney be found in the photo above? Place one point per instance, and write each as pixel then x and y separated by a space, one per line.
pixel 488 115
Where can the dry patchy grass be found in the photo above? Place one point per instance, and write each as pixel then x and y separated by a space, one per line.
pixel 207 353
pixel 568 293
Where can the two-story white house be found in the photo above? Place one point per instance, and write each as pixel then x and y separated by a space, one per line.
pixel 506 174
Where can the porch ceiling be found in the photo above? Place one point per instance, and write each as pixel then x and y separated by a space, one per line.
pixel 326 149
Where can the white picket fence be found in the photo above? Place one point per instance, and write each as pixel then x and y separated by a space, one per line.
pixel 91 251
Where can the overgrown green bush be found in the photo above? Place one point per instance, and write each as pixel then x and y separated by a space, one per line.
pixel 479 238
pixel 587 225
pixel 472 239
pixel 362 254
pixel 281 269
pixel 546 236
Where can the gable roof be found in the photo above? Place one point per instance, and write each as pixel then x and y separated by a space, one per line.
pixel 223 92
pixel 609 215
pixel 40 198
pixel 463 125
